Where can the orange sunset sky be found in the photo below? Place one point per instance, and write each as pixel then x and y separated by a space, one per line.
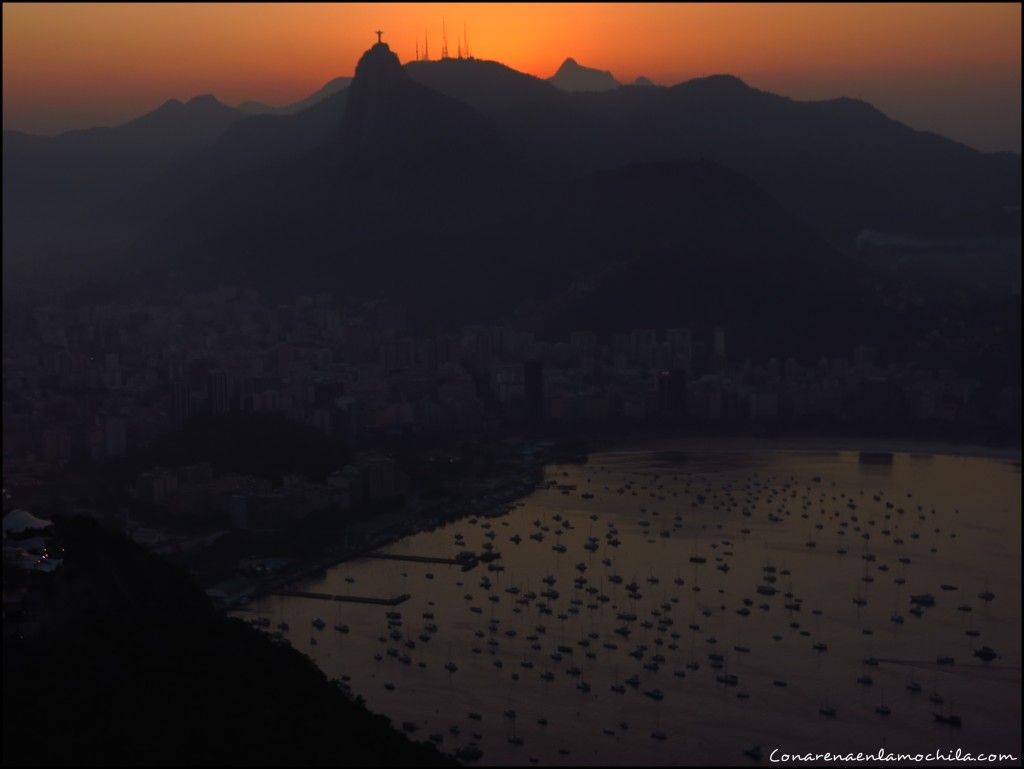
pixel 951 68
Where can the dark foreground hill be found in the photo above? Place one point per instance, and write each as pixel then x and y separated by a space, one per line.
pixel 132 666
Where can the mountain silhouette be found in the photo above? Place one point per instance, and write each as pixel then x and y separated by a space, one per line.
pixel 403 181
pixel 248 144
pixel 269 138
pixel 642 81
pixel 426 175
pixel 572 76
pixel 330 88
pixel 392 120
pixel 512 98
pixel 840 163
pixel 77 166
pixel 60 192
pixel 419 200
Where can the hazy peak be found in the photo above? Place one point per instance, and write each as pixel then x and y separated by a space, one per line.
pixel 170 104
pixel 720 80
pixel 204 100
pixel 573 76
pixel 204 103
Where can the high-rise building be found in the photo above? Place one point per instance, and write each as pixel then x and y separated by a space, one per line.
pixel 182 406
pixel 116 437
pixel 719 342
pixel 112 371
pixel 672 392
pixel 533 386
pixel 217 391
pixel 583 342
pixel 243 394
pixel 345 420
pixel 680 346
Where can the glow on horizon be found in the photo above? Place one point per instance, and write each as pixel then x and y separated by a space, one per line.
pixel 951 68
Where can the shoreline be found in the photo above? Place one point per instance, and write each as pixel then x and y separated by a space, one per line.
pixel 982 552
pixel 800 444
pixel 520 487
pixel 534 468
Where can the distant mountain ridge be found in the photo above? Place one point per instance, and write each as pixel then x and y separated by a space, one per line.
pixel 103 183
pixel 405 176
pixel 330 88
pixel 841 163
pixel 419 198
pixel 56 189
pixel 572 76
pixel 409 172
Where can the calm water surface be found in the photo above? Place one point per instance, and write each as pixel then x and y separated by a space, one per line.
pixel 790 571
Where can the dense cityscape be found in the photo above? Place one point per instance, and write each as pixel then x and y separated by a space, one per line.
pixel 98 381
pixel 454 413
pixel 87 386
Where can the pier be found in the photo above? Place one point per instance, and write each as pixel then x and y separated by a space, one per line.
pixel 345 598
pixel 419 558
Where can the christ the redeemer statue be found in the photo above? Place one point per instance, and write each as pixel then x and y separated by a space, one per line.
pixel 379 33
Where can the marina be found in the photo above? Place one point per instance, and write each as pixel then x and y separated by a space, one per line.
pixel 670 606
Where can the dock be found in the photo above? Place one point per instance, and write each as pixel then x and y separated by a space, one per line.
pixel 418 558
pixel 345 598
